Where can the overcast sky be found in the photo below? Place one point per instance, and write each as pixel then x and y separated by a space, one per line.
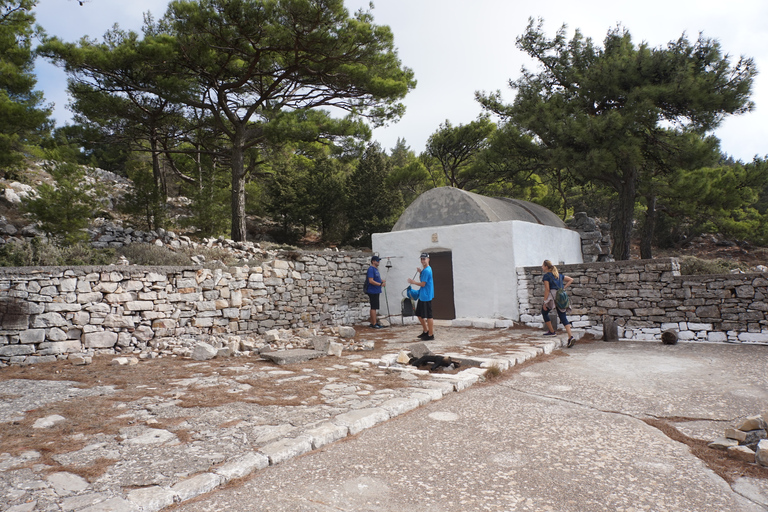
pixel 458 47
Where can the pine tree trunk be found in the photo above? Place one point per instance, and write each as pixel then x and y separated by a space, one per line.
pixel 622 226
pixel 238 192
pixel 646 251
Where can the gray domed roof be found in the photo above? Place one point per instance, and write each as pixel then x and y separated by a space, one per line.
pixel 448 206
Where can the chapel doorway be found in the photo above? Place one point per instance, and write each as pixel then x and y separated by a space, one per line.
pixel 442 274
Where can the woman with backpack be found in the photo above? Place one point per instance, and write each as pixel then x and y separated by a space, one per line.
pixel 553 282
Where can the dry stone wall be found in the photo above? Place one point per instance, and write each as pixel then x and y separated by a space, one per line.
pixel 55 313
pixel 648 297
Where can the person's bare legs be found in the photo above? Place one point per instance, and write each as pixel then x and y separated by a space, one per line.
pixel 548 323
pixel 431 326
pixel 423 322
pixel 373 317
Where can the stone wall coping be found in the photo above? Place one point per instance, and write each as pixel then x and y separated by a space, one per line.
pixel 611 264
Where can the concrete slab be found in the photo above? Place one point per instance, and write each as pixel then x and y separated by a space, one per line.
pixel 293 356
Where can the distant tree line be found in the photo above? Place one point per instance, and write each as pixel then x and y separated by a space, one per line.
pixel 261 109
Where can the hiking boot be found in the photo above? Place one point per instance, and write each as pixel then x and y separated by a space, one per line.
pixel 423 336
pixel 429 337
pixel 571 342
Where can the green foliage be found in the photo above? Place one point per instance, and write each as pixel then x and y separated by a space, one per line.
pixel 457 149
pixel 22 119
pixel 145 204
pixel 408 173
pixel 327 198
pixel 721 200
pixel 372 206
pixel 621 114
pixel 64 209
pixel 234 66
pixel 38 253
pixel 210 211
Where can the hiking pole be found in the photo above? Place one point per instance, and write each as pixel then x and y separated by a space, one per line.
pixel 386 299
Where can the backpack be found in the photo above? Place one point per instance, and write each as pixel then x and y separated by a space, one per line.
pixel 365 285
pixel 562 301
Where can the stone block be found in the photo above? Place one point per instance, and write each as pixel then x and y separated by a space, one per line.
pixel 398 406
pixel 752 423
pixel 139 305
pixel 101 339
pixel 734 433
pixel 291 356
pixel 203 352
pixel 112 505
pixel 327 433
pixel 723 443
pixel 761 455
pixel 151 499
pixel 32 336
pixel 48 320
pixel 195 486
pixel 285 449
pixel 361 419
pixel 242 466
pixel 16 350
pixel 335 349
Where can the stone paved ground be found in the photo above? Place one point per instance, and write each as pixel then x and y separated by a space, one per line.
pixel 141 437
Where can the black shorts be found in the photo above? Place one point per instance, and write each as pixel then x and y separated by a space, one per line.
pixel 374 299
pixel 424 309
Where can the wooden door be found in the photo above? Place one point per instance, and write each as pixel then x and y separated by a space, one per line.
pixel 442 273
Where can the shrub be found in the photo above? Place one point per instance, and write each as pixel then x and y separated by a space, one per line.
pixel 691 265
pixel 40 253
pixel 64 210
pixel 150 254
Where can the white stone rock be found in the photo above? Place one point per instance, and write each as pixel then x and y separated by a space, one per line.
pixel 151 436
pixel 326 433
pixel 753 337
pixel 151 499
pixel 761 455
pixel 65 483
pixel 752 423
pixel 360 419
pixel 112 505
pixel 48 421
pixel 346 331
pixel 717 337
pixel 335 349
pixel 285 449
pixel 398 406
pixel 195 486
pixel 203 352
pixel 242 466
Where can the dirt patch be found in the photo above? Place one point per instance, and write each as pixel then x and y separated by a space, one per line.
pixel 216 382
pixel 726 467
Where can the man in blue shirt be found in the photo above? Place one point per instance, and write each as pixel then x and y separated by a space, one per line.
pixel 375 282
pixel 426 294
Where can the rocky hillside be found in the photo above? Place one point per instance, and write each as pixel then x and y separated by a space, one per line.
pixel 710 253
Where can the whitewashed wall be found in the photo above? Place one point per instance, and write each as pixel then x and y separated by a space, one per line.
pixel 485 256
